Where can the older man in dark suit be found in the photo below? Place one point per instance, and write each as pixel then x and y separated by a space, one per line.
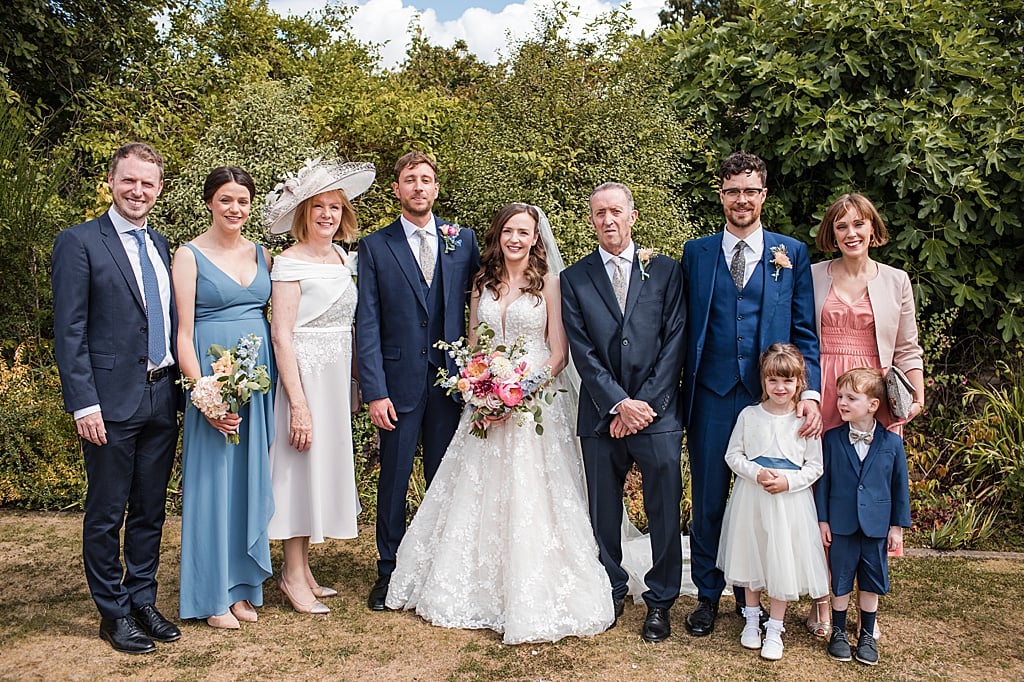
pixel 114 323
pixel 624 314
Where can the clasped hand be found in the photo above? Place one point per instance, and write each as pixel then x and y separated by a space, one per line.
pixel 772 482
pixel 632 417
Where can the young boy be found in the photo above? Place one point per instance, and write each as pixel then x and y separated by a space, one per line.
pixel 863 502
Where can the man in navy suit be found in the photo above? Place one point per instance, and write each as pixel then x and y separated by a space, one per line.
pixel 114 329
pixel 746 288
pixel 624 315
pixel 414 281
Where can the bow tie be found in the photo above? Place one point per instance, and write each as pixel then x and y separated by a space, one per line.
pixel 861 436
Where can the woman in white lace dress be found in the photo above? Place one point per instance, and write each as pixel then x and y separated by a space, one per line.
pixel 314 300
pixel 502 539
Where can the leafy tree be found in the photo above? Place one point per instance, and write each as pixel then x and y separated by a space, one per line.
pixel 263 131
pixel 916 103
pixel 54 49
pixel 565 118
pixel 682 11
pixel 29 178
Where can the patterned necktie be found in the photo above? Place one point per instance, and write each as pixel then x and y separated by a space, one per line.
pixel 426 255
pixel 154 309
pixel 619 282
pixel 861 436
pixel 738 264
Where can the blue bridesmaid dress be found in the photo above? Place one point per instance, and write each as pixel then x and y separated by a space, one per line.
pixel 227 499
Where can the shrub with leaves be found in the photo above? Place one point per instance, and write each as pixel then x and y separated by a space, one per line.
pixel 916 103
pixel 41 466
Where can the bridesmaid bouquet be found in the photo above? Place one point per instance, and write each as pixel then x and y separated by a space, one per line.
pixel 495 381
pixel 235 376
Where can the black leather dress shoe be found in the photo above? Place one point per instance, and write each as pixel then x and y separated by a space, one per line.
pixel 620 606
pixel 701 621
pixel 379 593
pixel 125 635
pixel 656 625
pixel 155 625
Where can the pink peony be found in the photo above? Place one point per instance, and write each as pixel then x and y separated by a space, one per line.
pixel 510 394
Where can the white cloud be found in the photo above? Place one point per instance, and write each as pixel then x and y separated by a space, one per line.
pixel 488 34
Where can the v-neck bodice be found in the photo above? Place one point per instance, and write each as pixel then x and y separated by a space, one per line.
pixel 218 295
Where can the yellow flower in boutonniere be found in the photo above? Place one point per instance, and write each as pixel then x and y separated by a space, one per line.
pixel 644 257
pixel 780 259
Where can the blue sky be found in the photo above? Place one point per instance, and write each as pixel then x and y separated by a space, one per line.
pixel 487 26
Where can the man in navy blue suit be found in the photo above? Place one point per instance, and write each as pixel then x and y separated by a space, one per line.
pixel 114 328
pixel 624 315
pixel 414 281
pixel 746 288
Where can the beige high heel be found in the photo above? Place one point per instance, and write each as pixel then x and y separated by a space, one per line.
pixel 225 621
pixel 314 607
pixel 245 611
pixel 321 592
pixel 819 620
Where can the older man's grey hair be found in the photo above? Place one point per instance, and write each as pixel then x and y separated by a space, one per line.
pixel 613 185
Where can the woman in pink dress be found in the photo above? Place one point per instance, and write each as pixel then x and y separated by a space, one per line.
pixel 866 318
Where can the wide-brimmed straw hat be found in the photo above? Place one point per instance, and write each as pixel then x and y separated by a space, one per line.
pixel 316 177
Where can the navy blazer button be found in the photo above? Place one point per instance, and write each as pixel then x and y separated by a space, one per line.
pixel 739 317
pixel 625 342
pixel 142 361
pixel 423 351
pixel 860 487
pixel 143 329
pixel 740 297
pixel 423 323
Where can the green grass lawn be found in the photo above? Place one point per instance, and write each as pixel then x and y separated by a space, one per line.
pixel 946 619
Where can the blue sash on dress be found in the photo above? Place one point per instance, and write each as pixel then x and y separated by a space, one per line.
pixel 776 463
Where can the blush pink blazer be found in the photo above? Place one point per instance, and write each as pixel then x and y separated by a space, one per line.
pixel 892 300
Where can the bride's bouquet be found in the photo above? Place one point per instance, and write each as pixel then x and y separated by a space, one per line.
pixel 495 381
pixel 235 377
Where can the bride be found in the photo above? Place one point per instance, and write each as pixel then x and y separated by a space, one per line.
pixel 502 539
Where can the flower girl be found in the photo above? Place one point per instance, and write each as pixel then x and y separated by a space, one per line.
pixel 770 539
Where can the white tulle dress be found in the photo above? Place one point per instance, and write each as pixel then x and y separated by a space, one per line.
pixel 770 541
pixel 503 539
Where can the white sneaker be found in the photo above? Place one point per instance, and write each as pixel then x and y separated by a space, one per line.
pixel 750 638
pixel 772 648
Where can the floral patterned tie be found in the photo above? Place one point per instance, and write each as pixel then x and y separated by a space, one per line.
pixel 738 264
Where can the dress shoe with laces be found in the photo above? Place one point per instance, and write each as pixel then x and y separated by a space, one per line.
pixel 839 646
pixel 379 593
pixel 155 625
pixel 125 635
pixel 701 621
pixel 867 649
pixel 656 626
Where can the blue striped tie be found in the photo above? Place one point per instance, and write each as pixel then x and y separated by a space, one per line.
pixel 154 309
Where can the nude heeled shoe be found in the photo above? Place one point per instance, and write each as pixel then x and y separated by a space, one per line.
pixel 225 621
pixel 244 611
pixel 321 592
pixel 314 607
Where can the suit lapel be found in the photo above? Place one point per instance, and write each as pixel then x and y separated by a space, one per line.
pixel 706 268
pixel 873 454
pixel 112 240
pixel 399 245
pixel 770 288
pixel 851 452
pixel 447 273
pixel 599 276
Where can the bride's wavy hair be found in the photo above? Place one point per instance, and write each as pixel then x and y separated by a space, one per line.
pixel 492 260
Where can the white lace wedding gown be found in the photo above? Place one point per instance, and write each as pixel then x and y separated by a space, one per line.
pixel 503 539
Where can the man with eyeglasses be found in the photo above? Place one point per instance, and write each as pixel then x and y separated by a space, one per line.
pixel 746 288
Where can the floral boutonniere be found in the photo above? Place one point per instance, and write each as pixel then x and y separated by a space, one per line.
pixel 450 234
pixel 644 257
pixel 780 259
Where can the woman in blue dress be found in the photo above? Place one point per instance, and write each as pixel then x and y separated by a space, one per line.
pixel 222 284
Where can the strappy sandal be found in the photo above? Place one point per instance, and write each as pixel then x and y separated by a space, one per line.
pixel 819 620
